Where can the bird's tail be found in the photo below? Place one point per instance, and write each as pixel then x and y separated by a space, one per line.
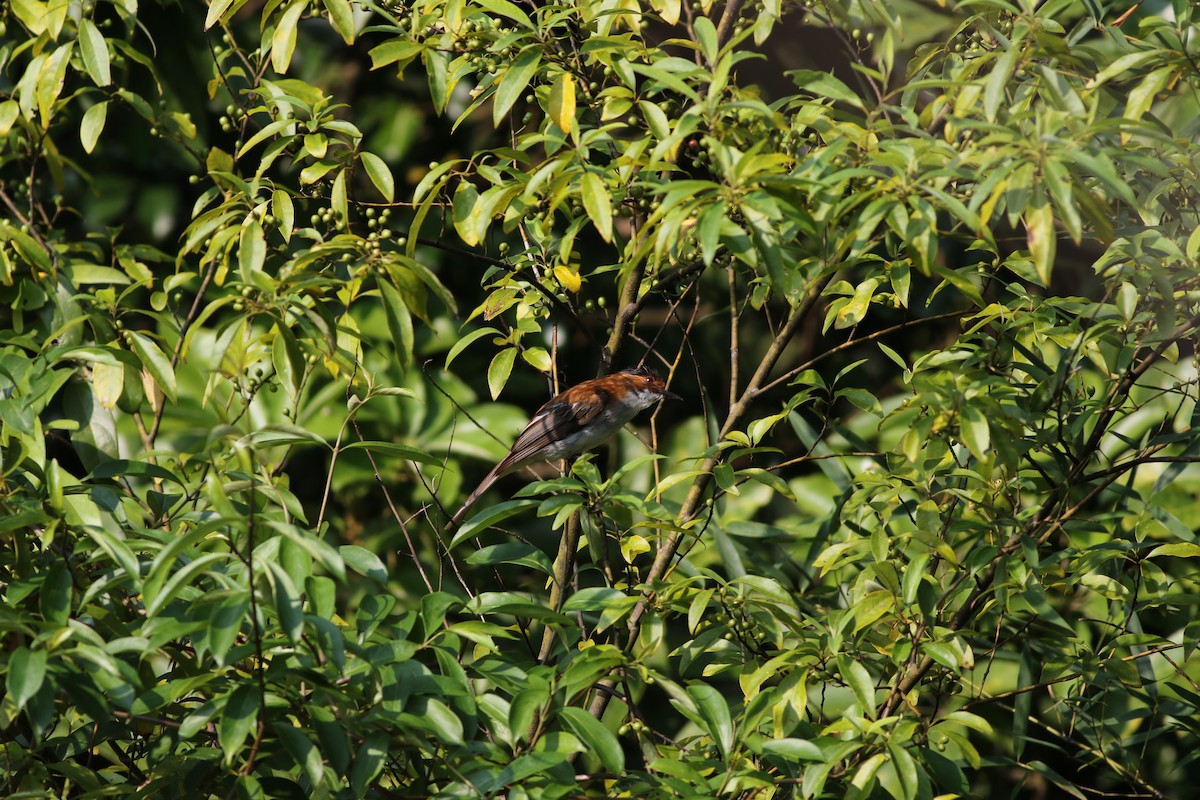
pixel 483 486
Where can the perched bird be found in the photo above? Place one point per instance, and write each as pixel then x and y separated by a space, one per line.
pixel 578 419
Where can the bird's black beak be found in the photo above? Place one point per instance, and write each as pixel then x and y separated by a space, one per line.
pixel 670 396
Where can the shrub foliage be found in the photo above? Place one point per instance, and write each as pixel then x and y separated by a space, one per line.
pixel 281 279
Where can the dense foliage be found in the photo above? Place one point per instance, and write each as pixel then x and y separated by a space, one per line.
pixel 281 279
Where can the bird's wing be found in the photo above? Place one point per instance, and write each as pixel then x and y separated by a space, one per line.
pixel 554 422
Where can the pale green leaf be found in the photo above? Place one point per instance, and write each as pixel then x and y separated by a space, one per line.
pixel 1040 234
pixel 598 204
pixel 1177 549
pixel 252 249
pixel 975 431
pixel 379 173
pixel 500 369
pixel 341 16
pixel 94 50
pixel 93 125
pixel 1141 97
pixel 999 81
pixel 506 9
pixel 155 363
pixel 283 42
pixel 825 85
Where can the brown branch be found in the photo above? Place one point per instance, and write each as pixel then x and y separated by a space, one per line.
pixel 729 18
pixel 628 308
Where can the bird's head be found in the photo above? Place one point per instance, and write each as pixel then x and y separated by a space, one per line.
pixel 643 386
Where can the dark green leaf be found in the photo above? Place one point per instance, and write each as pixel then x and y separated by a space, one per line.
pixel 26 672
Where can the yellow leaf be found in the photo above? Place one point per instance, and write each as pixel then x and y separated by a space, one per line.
pixel 107 381
pixel 633 546
pixel 1041 237
pixel 562 102
pixel 568 277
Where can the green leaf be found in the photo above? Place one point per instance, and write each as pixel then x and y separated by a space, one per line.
pixel 489 517
pixel 943 654
pixel 1124 64
pixel 999 81
pixel 379 173
pixel 854 311
pixel 527 703
pixel 157 599
pixel 341 16
pixel 467 341
pixel 400 324
pixel 315 546
pixel 32 252
pixel 92 125
pixel 121 467
pixel 221 9
pixel 155 362
pixel 444 722
pixel 1041 236
pixel 597 202
pixel 51 78
pixel 507 9
pixel 94 50
pixel 517 553
pixel 83 274
pixel 1059 185
pixel 859 681
pixel 825 85
pixel 466 197
pixel 368 762
pixel 1141 97
pixel 794 749
pixel 33 14
pixel 237 720
pixel 394 450
pixel 500 369
pixel 283 41
pixel 715 713
pixel 593 598
pixel 1176 549
pixel 961 282
pixel 337 195
pixel 303 751
pixel 905 767
pixel 395 50
pixel 9 111
pixel 284 211
pixel 436 65
pixel 538 358
pixel 26 673
pixel 599 740
pixel 364 562
pixel 975 432
pixel 706 37
pixel 252 249
pixel 512 83
pixel 287 603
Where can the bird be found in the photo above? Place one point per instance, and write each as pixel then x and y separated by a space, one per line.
pixel 575 420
